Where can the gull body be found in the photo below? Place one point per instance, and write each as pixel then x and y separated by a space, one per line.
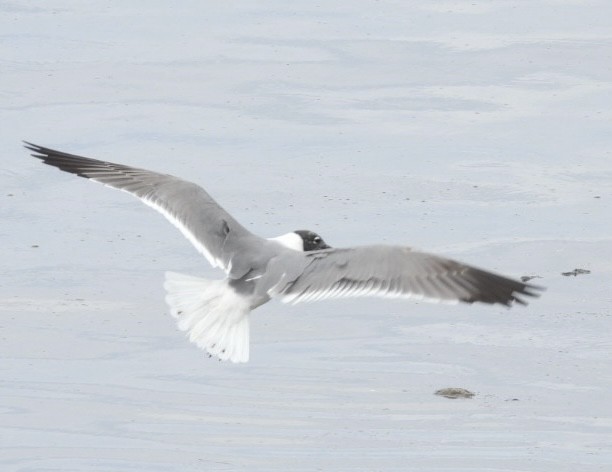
pixel 295 267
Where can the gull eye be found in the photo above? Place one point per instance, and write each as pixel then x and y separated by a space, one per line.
pixel 317 239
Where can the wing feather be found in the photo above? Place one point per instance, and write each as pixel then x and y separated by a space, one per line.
pixel 213 231
pixel 391 271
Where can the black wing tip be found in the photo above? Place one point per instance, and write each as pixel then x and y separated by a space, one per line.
pixel 517 296
pixel 495 289
pixel 70 163
pixel 531 290
pixel 41 152
pixel 33 147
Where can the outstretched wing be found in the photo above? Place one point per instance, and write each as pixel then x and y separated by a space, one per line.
pixel 211 229
pixel 391 271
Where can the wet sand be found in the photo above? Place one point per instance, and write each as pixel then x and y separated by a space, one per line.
pixel 477 130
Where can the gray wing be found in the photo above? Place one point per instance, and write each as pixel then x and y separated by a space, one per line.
pixel 213 231
pixel 390 271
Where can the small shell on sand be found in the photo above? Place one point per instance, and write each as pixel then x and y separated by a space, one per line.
pixel 575 272
pixel 453 392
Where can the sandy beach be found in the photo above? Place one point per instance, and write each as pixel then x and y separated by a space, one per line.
pixel 477 130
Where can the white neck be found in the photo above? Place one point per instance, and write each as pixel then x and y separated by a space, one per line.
pixel 291 240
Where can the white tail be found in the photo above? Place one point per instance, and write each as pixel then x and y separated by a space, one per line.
pixel 214 315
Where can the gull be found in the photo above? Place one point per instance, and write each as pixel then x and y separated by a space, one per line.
pixel 295 267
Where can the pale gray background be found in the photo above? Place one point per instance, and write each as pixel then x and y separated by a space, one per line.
pixel 478 129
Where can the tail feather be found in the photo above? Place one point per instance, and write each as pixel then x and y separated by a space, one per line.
pixel 213 314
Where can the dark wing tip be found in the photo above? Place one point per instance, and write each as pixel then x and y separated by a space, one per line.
pixel 39 150
pixel 42 152
pixel 495 289
pixel 78 165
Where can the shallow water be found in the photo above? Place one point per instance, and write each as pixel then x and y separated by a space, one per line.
pixel 480 130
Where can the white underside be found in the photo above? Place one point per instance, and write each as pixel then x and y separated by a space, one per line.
pixel 186 232
pixel 214 316
pixel 317 295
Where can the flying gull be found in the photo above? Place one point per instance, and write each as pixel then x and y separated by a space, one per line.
pixel 295 267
